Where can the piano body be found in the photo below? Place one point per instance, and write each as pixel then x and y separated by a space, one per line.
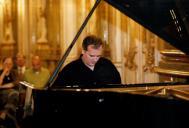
pixel 154 105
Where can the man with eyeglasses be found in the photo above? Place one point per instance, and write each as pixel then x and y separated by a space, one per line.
pixel 90 68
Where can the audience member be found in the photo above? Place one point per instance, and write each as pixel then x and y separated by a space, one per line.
pixel 37 74
pixel 20 65
pixel 9 96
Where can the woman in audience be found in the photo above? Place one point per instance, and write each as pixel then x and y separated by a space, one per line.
pixel 9 95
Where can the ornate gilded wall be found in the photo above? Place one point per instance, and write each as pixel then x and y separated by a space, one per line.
pixel 47 27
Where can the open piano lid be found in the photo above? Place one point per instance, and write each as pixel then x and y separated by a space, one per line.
pixel 169 19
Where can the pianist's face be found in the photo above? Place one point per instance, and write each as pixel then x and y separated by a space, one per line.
pixel 91 55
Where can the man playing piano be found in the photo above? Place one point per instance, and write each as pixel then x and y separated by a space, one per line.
pixel 90 68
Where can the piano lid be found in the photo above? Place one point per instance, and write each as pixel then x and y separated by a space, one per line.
pixel 169 19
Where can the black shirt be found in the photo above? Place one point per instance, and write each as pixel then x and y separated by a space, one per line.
pixel 8 78
pixel 77 73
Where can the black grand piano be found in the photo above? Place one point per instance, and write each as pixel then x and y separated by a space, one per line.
pixel 153 105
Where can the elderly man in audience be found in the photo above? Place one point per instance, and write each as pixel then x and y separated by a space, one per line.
pixel 37 75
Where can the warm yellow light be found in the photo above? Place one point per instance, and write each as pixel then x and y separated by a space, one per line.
pixel 2 1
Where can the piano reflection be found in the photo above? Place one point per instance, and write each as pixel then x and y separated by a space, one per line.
pixel 153 105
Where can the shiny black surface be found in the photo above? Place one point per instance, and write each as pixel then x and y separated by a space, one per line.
pixel 86 109
pixel 101 86
pixel 169 19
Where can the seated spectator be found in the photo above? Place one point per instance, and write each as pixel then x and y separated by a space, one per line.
pixel 37 74
pixel 20 62
pixel 9 95
pixel 20 67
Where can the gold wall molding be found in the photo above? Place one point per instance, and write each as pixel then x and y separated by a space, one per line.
pixel 149 52
pixel 130 55
pixel 8 29
pixel 8 22
pixel 130 58
pixel 171 72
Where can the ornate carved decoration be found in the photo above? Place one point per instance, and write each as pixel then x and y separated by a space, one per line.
pixel 8 44
pixel 7 49
pixel 41 23
pixel 130 56
pixel 8 22
pixel 149 55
